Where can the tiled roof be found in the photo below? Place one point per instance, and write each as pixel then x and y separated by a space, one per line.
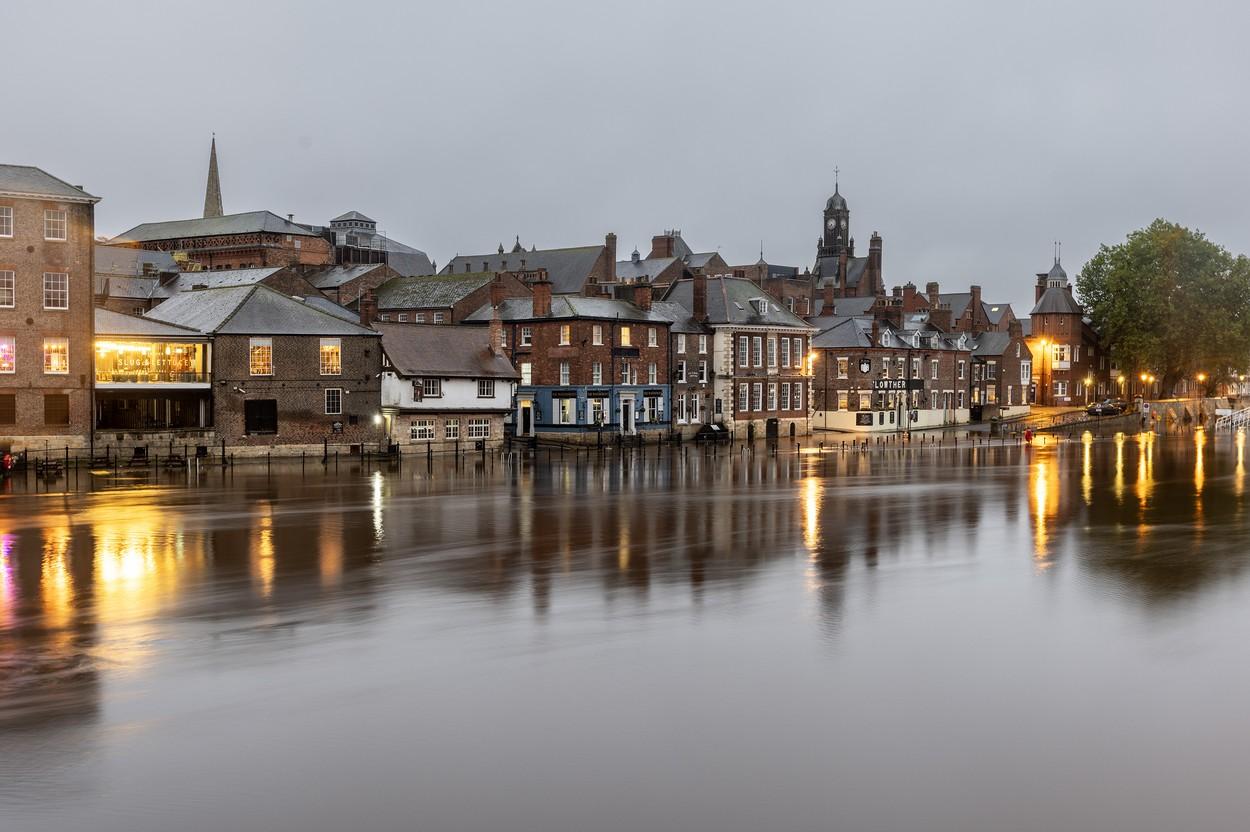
pixel 114 324
pixel 130 261
pixel 246 223
pixel 251 310
pixel 428 291
pixel 1057 301
pixel 24 180
pixel 570 306
pixel 567 268
pixel 352 216
pixel 992 343
pixel 995 311
pixel 631 270
pixel 733 300
pixel 680 316
pixel 338 275
pixel 449 351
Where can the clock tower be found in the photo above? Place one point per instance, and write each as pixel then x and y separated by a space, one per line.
pixel 836 234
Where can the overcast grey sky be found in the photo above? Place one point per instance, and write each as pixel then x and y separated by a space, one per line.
pixel 970 135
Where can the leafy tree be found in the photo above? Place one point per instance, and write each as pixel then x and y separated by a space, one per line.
pixel 1170 301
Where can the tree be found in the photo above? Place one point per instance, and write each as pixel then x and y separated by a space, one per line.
pixel 1170 301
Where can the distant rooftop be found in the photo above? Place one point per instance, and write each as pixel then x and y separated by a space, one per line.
pixel 27 181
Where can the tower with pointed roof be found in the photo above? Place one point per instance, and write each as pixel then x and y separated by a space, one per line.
pixel 836 235
pixel 212 193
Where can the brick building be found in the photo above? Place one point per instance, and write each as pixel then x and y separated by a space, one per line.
pixel 256 239
pixel 126 277
pixel 589 271
pixel 446 298
pixel 47 253
pixel 1002 372
pixel 670 259
pixel 758 356
pixel 1070 368
pixel 284 372
pixel 589 367
pixel 346 285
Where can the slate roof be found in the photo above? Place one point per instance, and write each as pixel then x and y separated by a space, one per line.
pixel 844 332
pixel 856 332
pixel 326 305
pixel 119 260
pixel 220 279
pixel 631 271
pixel 995 311
pixel 697 260
pixel 117 325
pixel 24 180
pixel 353 216
pixel 251 310
pixel 246 223
pixel 125 286
pixel 336 276
pixel 447 351
pixel 1026 327
pixel 428 291
pixel 567 268
pixel 570 306
pixel 958 301
pixel 680 316
pixel 827 268
pixel 729 302
pixel 1057 301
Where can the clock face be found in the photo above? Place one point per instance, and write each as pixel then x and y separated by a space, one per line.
pixel 844 222
pixel 832 224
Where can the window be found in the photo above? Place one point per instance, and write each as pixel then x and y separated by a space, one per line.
pixel 8 290
pixel 898 362
pixel 844 365
pixel 915 368
pixel 681 342
pixel 564 372
pixel 566 335
pixel 527 335
pixel 419 317
pixel 431 388
pixel 785 352
pixel 6 221
pixel 8 354
pixel 785 396
pixel 596 373
pixel 54 225
pixel 56 356
pixel 1061 352
pixel 798 352
pixel 772 396
pixel 527 373
pixel 885 366
pixel 55 290
pixel 744 397
pixel 960 399
pixel 8 409
pixel 798 396
pixel 260 356
pixel 596 411
pixel 596 335
pixel 960 372
pixel 757 396
pixel 565 414
pixel 865 401
pixel 933 369
pixel 56 409
pixel 1026 372
pixel 486 388
pixel 772 353
pixel 297 243
pixel 1061 388
pixel 334 401
pixel 625 337
pixel 757 351
pixel 703 372
pixel 421 430
pixel 651 373
pixel 991 370
pixel 692 408
pixel 626 373
pixel 438 317
pixel 679 410
pixel 744 351
pixel 702 345
pixel 260 416
pixel 384 318
pixel 331 356
pixel 479 428
pixel 1076 352
pixel 680 372
pixel 403 319
pixel 651 337
pixel 844 400
pixel 451 428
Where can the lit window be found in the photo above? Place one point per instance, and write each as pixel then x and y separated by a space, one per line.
pixel 331 356
pixel 8 354
pixel 844 364
pixel 844 400
pixel 334 401
pixel 431 388
pixel 451 429
pixel 479 428
pixel 8 290
pixel 625 342
pixel 54 225
pixel 6 221
pixel 55 290
pixel 486 388
pixel 56 356
pixel 566 335
pixel 260 356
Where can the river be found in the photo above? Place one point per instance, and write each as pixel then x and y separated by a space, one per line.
pixel 1025 638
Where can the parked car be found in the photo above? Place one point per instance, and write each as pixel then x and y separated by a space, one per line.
pixel 1104 408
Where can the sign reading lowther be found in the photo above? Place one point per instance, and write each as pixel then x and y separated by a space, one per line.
pixel 883 385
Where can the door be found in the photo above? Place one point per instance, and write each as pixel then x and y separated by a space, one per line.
pixel 627 415
pixel 527 419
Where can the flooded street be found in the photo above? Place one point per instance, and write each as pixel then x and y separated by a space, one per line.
pixel 983 638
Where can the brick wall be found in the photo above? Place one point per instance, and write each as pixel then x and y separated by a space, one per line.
pixel 256 249
pixel 29 256
pixel 546 353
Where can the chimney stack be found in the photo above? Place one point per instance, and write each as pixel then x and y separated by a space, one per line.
pixel 842 255
pixel 496 292
pixel 542 296
pixel 662 245
pixel 934 294
pixel 876 331
pixel 699 294
pixel 874 262
pixel 974 307
pixel 1041 288
pixel 496 332
pixel 642 294
pixel 610 243
pixel 827 298
pixel 368 308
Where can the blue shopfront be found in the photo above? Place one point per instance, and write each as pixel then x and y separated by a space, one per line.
pixel 592 409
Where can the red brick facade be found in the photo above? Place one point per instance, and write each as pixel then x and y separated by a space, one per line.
pixel 253 250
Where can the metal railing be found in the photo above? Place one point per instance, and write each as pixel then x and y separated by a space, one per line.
pixel 1234 421
pixel 105 377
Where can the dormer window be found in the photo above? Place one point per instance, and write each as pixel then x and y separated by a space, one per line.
pixel 761 305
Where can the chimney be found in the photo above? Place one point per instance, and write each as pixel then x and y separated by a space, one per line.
pixel 699 294
pixel 898 292
pixel 1014 329
pixel 290 218
pixel 542 296
pixel 876 331
pixel 1041 288
pixel 496 292
pixel 842 271
pixel 642 294
pixel 368 306
pixel 496 331
pixel 662 245
pixel 610 242
pixel 827 299
pixel 874 262
pixel 909 298
pixel 976 300
pixel 935 295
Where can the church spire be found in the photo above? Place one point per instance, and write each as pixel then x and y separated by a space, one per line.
pixel 212 194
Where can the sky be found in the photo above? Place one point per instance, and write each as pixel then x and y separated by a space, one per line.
pixel 970 135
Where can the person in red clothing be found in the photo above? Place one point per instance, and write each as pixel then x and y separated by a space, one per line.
pixel 1028 436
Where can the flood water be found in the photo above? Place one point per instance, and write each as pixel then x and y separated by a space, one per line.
pixel 998 638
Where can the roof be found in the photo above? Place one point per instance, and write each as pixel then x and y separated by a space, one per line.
pixel 680 317
pixel 353 216
pixel 125 286
pixel 856 332
pixel 632 270
pixel 449 351
pixel 428 291
pixel 115 324
pixel 729 301
pixel 251 310
pixel 1056 272
pixel 570 306
pixel 220 279
pixel 118 260
pixel 996 311
pixel 1057 300
pixel 958 302
pixel 1026 327
pixel 835 201
pixel 326 305
pixel 24 180
pixel 844 332
pixel 698 260
pixel 246 223
pixel 827 268
pixel 992 343
pixel 336 276
pixel 568 269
